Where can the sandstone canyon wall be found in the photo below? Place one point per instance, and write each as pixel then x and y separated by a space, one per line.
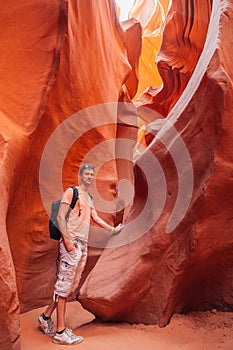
pixel 189 266
pixel 42 55
pixel 186 267
pixel 60 58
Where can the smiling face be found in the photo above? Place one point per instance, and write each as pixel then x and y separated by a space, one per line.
pixel 87 176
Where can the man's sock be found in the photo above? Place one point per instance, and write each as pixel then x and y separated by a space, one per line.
pixel 60 331
pixel 45 317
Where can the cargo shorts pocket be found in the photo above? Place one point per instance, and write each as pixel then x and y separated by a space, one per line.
pixel 65 279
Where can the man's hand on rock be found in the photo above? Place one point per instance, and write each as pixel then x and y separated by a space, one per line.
pixel 117 229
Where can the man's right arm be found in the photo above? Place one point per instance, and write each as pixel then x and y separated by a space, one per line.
pixel 69 245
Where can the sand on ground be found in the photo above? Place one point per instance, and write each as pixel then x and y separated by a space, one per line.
pixel 196 331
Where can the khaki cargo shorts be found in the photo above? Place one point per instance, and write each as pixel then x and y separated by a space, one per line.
pixel 71 266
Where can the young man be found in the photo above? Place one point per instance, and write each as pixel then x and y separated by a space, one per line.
pixel 73 255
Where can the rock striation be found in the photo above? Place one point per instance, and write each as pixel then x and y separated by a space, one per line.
pixel 178 266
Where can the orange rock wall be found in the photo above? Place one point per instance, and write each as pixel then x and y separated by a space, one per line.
pixel 151 15
pixel 29 47
pixel 180 50
pixel 189 268
pixel 49 71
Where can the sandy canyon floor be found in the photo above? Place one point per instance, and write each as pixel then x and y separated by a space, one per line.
pixel 195 331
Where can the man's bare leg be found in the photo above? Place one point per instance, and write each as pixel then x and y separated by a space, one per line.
pixel 51 307
pixel 45 322
pixel 61 309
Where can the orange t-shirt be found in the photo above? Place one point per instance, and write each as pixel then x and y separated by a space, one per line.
pixel 78 224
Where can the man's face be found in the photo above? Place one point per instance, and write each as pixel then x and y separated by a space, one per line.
pixel 88 176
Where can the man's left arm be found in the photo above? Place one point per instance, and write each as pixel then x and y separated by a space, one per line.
pixel 95 217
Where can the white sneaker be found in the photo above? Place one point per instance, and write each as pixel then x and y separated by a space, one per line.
pixel 45 326
pixel 67 338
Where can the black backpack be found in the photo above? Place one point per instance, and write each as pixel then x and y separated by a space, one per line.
pixel 53 224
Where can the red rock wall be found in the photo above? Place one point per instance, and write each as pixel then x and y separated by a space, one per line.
pixel 49 71
pixel 181 47
pixel 29 48
pixel 189 268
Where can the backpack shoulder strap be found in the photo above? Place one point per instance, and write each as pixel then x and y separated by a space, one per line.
pixel 90 196
pixel 75 197
pixel 73 202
